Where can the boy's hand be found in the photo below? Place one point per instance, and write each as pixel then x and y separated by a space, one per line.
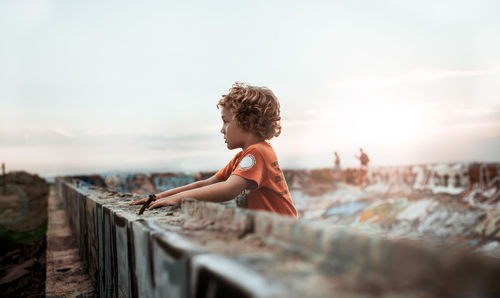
pixel 168 201
pixel 140 201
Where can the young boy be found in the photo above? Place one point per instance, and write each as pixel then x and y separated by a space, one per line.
pixel 250 116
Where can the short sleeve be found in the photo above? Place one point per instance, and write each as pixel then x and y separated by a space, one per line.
pixel 224 173
pixel 251 167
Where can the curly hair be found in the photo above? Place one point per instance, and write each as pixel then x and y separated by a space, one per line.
pixel 255 108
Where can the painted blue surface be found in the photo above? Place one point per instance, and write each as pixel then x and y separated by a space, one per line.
pixel 165 183
pixel 347 209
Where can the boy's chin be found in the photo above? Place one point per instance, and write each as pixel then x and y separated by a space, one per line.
pixel 230 147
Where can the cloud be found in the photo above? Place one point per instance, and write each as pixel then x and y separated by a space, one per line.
pixel 60 132
pixel 462 118
pixel 415 75
pixel 441 74
pixel 98 133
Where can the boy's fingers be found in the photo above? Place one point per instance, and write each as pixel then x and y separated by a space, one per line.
pixel 154 205
pixel 159 203
pixel 140 201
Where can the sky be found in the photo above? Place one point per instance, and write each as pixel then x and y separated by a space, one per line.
pixel 100 86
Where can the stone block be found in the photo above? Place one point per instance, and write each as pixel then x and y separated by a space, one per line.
pixel 142 258
pixel 243 221
pixel 308 236
pixel 411 265
pixel 171 262
pixel 122 280
pixel 217 276
pixel 225 219
pixel 283 228
pixel 190 207
pixel 92 245
pixel 263 224
pixel 106 269
pixel 161 260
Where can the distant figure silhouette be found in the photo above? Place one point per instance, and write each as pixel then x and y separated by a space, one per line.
pixel 363 158
pixel 337 172
pixel 337 161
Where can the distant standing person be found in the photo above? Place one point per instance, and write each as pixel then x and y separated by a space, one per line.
pixel 337 162
pixel 336 169
pixel 363 158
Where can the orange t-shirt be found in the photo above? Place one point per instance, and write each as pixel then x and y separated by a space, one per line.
pixel 260 164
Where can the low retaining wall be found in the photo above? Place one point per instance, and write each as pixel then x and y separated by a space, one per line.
pixel 212 250
pixel 445 178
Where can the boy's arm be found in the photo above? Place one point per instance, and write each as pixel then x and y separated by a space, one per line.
pixel 173 191
pixel 217 192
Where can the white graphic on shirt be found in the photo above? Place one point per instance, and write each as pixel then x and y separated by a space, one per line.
pixel 247 162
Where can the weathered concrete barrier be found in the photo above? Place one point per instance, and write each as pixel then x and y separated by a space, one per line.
pixel 446 178
pixel 212 250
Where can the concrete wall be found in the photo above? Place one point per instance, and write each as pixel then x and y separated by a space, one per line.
pixel 446 178
pixel 211 250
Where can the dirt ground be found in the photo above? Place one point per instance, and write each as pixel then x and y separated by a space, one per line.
pixel 23 242
pixel 22 268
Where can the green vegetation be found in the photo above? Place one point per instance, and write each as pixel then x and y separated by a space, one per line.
pixel 25 237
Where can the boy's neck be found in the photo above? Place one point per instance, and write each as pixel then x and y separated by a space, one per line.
pixel 252 140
